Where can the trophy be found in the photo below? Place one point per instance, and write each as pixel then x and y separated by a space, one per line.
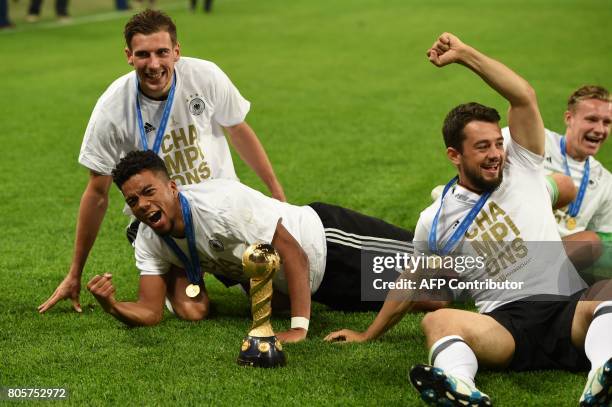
pixel 260 348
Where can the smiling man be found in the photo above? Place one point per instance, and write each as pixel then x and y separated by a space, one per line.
pixel 177 106
pixel 587 221
pixel 497 204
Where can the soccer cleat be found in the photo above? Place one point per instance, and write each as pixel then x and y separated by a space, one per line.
pixel 444 390
pixel 598 389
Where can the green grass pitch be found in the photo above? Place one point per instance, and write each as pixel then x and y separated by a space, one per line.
pixel 349 110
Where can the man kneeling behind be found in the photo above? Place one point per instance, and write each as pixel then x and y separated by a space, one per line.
pixel 319 244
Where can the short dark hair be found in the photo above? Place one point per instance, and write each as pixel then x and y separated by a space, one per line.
pixel 149 22
pixel 134 163
pixel 460 116
pixel 587 92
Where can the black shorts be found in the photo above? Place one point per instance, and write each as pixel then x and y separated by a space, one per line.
pixel 542 334
pixel 346 232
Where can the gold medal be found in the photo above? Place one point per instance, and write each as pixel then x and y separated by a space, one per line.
pixel 192 290
pixel 570 223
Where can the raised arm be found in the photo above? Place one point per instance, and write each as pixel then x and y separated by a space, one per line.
pixel 245 141
pixel 91 213
pixel 524 120
pixel 295 266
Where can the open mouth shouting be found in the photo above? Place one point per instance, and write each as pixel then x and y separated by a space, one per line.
pixel 154 219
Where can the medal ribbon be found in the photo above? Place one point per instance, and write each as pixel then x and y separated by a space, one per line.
pixel 192 268
pixel 164 121
pixel 574 207
pixel 461 229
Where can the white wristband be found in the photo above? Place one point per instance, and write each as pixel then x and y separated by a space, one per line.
pixel 299 322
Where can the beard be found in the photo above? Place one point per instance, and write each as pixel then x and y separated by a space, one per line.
pixel 481 183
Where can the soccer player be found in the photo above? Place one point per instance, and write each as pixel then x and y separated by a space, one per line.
pixel 586 222
pixel 208 226
pixel 177 106
pixel 553 323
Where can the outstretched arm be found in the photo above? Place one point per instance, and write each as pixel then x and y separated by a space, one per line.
pixel 147 311
pixel 91 213
pixel 295 266
pixel 397 304
pixel 390 314
pixel 524 120
pixel 245 141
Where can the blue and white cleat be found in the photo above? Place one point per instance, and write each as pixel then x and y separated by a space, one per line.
pixel 598 389
pixel 443 390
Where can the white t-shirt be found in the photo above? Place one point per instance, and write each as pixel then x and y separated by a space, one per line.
pixel 228 217
pixel 515 230
pixel 194 147
pixel 596 209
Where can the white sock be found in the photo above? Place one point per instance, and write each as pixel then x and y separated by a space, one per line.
pixel 598 342
pixel 455 357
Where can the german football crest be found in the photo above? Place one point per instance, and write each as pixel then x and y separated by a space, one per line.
pixel 196 106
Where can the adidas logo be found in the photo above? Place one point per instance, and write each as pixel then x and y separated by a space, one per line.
pixel 148 128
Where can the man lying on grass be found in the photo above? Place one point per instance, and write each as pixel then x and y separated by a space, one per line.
pixel 207 227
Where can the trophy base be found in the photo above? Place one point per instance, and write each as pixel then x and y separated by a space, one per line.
pixel 264 351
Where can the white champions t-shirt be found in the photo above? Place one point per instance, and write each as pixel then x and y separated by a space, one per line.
pixel 228 217
pixel 596 208
pixel 515 231
pixel 194 147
